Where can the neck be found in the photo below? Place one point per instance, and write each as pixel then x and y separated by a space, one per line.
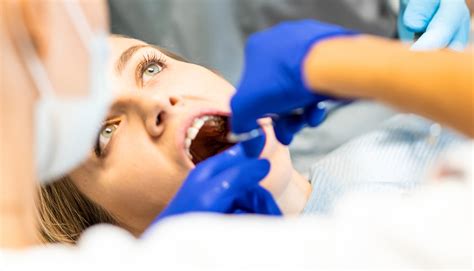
pixel 293 199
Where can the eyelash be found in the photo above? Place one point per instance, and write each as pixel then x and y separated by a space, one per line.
pixel 147 60
pixel 97 150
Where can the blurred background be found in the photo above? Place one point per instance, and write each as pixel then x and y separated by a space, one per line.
pixel 212 33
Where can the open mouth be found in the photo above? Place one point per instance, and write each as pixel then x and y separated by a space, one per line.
pixel 207 137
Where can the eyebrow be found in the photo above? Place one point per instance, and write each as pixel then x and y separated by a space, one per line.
pixel 127 55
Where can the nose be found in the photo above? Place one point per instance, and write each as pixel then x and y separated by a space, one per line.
pixel 154 113
pixel 157 110
pixel 153 110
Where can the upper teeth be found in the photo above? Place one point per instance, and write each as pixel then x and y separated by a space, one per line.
pixel 192 132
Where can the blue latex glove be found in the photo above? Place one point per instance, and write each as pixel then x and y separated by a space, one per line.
pixel 446 23
pixel 272 81
pixel 225 183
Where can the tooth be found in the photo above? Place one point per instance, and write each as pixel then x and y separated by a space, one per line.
pixel 204 118
pixel 187 143
pixel 198 123
pixel 192 132
pixel 214 118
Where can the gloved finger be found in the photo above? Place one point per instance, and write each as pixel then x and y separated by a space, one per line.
pixel 461 38
pixel 314 114
pixel 238 178
pixel 244 116
pixel 256 200
pixel 250 101
pixel 224 188
pixel 287 126
pixel 218 163
pixel 418 14
pixel 254 147
pixel 444 26
pixel 403 33
pixel 266 200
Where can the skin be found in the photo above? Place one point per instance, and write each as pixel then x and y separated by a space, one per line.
pixel 38 22
pixel 144 164
pixel 436 84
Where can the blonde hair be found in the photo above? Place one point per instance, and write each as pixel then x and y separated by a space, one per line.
pixel 65 212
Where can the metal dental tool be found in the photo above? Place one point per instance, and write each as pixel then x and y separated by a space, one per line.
pixel 330 107
pixel 234 138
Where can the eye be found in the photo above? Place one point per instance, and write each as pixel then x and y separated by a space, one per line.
pixel 151 64
pixel 150 71
pixel 104 137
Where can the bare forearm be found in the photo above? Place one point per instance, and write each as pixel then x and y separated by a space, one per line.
pixel 18 191
pixel 18 227
pixel 18 231
pixel 438 85
pixel 18 224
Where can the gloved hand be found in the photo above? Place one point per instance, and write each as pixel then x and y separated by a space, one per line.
pixel 225 183
pixel 446 23
pixel 272 80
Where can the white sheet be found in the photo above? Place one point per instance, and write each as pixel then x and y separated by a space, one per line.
pixel 431 228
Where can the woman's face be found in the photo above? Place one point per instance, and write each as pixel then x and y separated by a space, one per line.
pixel 143 153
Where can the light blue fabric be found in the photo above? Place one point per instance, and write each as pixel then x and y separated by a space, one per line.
pixel 396 156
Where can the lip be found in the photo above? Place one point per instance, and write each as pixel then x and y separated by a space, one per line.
pixel 182 130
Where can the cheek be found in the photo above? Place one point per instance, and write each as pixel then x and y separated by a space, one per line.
pixel 143 171
pixel 193 80
pixel 147 181
pixel 131 189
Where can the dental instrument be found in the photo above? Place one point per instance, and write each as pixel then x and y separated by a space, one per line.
pixel 330 107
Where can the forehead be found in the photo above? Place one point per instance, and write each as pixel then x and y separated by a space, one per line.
pixel 119 44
